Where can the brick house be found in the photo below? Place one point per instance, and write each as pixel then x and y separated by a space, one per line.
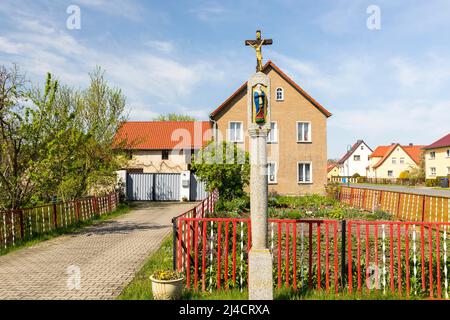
pixel 387 162
pixel 297 146
pixel 437 158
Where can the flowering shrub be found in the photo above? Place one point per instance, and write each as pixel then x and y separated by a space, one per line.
pixel 166 275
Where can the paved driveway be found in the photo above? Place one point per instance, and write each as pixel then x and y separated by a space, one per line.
pixel 105 256
pixel 417 190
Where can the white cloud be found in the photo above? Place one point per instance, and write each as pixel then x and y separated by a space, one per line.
pixel 162 46
pixel 209 11
pixel 128 9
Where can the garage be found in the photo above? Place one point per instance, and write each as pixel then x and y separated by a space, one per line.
pixel 153 186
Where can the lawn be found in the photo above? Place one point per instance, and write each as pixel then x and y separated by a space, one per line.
pixel 121 210
pixel 140 287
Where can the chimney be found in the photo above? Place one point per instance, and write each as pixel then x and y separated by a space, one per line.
pixel 411 144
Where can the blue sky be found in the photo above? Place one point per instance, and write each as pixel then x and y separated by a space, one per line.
pixel 383 86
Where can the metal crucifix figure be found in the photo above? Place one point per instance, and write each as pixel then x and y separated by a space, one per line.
pixel 257 45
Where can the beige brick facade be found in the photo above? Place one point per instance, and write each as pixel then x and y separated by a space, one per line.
pixel 287 152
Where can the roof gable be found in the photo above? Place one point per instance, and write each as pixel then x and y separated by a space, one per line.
pixel 383 152
pixel 163 135
pixel 352 150
pixel 441 143
pixel 266 68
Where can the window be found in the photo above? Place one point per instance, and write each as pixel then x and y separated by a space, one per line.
pixel 273 134
pixel 390 173
pixel 402 160
pixel 280 94
pixel 304 172
pixel 356 158
pixel 272 172
pixel 448 153
pixel 433 171
pixel 362 147
pixel 432 155
pixel 235 132
pixel 448 170
pixel 394 160
pixel 165 155
pixel 303 131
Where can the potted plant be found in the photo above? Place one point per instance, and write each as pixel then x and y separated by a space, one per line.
pixel 167 285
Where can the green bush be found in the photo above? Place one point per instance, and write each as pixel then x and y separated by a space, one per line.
pixel 432 182
pixel 237 206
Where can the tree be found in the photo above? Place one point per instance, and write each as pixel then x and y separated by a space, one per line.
pixel 174 117
pixel 56 141
pixel 223 166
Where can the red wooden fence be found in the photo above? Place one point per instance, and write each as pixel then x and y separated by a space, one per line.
pixel 404 206
pixel 403 258
pixel 25 224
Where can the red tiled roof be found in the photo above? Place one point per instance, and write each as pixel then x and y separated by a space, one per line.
pixel 285 77
pixel 442 142
pixel 163 135
pixel 383 152
pixel 331 166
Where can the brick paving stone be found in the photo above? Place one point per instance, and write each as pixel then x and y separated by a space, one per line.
pixel 107 254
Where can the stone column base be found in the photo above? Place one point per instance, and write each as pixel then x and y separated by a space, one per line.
pixel 260 285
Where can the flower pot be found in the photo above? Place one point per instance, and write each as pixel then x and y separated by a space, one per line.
pixel 167 289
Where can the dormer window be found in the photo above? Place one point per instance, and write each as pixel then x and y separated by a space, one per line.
pixel 280 94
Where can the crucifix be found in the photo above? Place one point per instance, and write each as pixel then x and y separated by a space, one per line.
pixel 257 45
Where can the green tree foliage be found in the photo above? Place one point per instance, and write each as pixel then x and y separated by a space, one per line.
pixel 225 167
pixel 174 117
pixel 56 141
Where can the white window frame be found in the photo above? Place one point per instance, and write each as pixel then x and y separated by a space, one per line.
pixel 448 153
pixel 432 174
pixel 432 155
pixel 402 160
pixel 275 181
pixel 394 160
pixel 241 134
pixel 282 94
pixel 392 175
pixel 275 133
pixel 311 172
pixel 356 155
pixel 448 170
pixel 309 132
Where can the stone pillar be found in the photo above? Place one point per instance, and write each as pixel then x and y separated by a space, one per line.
pixel 260 257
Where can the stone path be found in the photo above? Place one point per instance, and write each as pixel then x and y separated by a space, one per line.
pixel 417 190
pixel 105 256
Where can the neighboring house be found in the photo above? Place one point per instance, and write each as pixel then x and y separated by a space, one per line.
pixel 297 145
pixel 387 162
pixel 162 146
pixel 333 170
pixel 437 158
pixel 355 160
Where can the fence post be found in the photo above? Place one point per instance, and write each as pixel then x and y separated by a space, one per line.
pixel 398 205
pixel 423 207
pixel 22 227
pixel 343 251
pixel 55 215
pixel 77 209
pixel 109 204
pixel 174 243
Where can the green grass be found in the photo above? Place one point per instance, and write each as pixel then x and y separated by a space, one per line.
pixel 121 210
pixel 140 288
